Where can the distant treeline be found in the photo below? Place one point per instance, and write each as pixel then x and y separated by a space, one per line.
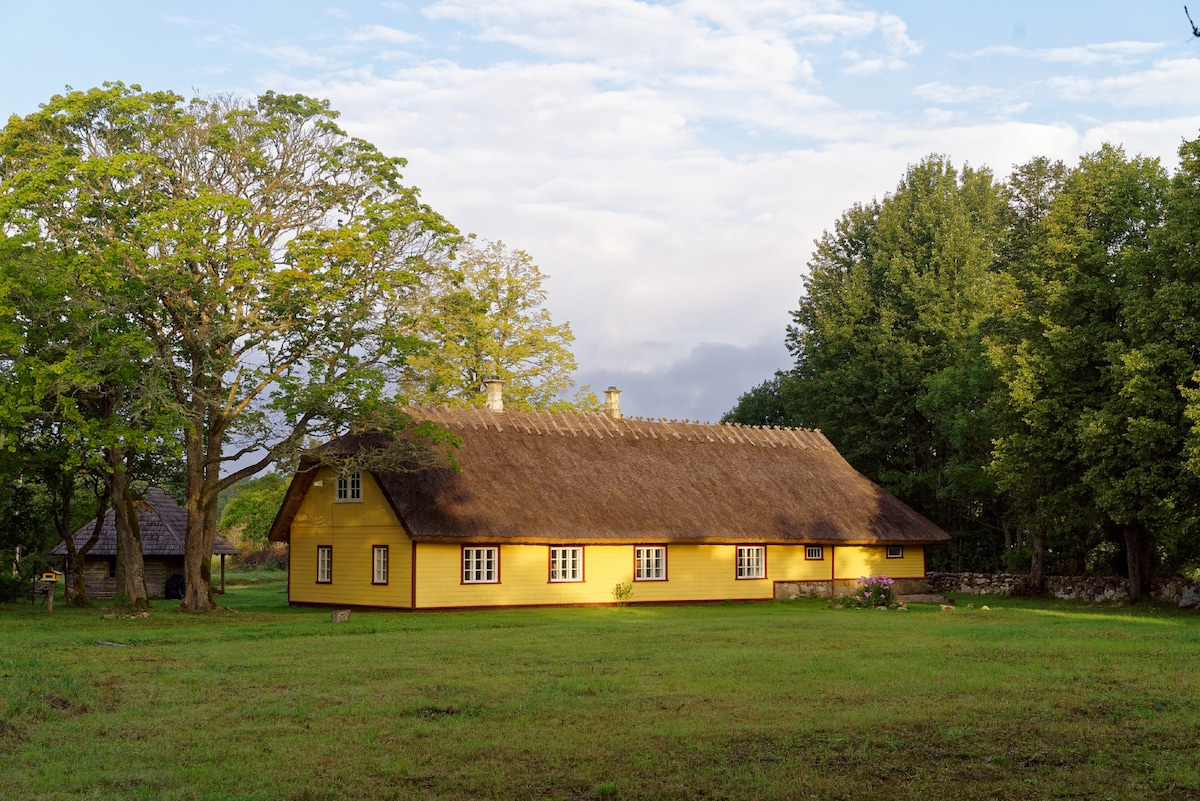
pixel 1018 360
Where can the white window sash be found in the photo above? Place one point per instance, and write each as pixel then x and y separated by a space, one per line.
pixel 651 564
pixel 479 565
pixel 566 564
pixel 324 564
pixel 751 561
pixel 349 488
pixel 380 564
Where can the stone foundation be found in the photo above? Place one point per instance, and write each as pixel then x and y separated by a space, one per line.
pixel 785 590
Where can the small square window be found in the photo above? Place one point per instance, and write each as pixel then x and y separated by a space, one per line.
pixel 566 563
pixel 349 488
pixel 650 563
pixel 324 564
pixel 379 564
pixel 895 552
pixel 481 565
pixel 751 561
pixel 814 552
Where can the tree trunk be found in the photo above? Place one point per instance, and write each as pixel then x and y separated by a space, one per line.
pixel 197 594
pixel 1037 565
pixel 202 445
pixel 131 569
pixel 76 584
pixel 1137 554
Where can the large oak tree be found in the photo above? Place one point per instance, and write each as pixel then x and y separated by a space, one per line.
pixel 267 256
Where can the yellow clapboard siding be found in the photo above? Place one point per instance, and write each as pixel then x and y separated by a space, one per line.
pixel 694 572
pixel 787 563
pixel 854 562
pixel 351 530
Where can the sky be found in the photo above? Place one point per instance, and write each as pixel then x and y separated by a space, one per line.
pixel 667 164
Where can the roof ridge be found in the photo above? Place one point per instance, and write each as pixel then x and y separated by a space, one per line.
pixel 588 423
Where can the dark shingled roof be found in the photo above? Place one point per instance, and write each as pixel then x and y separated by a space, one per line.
pixel 163 524
pixel 542 478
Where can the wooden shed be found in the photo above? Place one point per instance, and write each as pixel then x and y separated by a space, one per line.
pixel 163 524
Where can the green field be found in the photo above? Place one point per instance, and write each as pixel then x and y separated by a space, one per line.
pixel 784 700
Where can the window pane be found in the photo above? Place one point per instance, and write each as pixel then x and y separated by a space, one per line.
pixel 650 564
pixel 380 561
pixel 324 563
pixel 566 564
pixel 480 565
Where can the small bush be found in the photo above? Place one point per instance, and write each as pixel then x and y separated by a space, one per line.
pixel 871 592
pixel 268 557
pixel 622 593
pixel 12 587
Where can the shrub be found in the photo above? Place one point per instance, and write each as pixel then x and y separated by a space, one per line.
pixel 873 591
pixel 12 587
pixel 622 593
pixel 268 557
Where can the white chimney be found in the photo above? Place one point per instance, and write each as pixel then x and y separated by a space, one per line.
pixel 495 394
pixel 612 403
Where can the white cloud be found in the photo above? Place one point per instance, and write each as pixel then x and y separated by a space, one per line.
pixel 1168 82
pixel 896 46
pixel 870 66
pixel 945 93
pixel 1118 53
pixel 383 33
pixel 289 56
pixel 611 144
pixel 895 36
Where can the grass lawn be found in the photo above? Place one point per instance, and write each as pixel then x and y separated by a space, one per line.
pixel 783 700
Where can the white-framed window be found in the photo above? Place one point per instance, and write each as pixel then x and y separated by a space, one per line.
pixel 349 488
pixel 566 563
pixel 481 565
pixel 814 552
pixel 650 563
pixel 379 564
pixel 324 564
pixel 895 552
pixel 751 561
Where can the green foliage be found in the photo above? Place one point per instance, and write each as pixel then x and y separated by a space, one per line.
pixel 248 516
pixel 481 316
pixel 13 586
pixel 1018 362
pixel 872 591
pixel 622 593
pixel 887 341
pixel 256 261
pixel 767 404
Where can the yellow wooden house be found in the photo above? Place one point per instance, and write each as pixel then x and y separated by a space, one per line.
pixel 557 509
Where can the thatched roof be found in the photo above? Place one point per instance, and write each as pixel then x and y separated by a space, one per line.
pixel 162 522
pixel 544 478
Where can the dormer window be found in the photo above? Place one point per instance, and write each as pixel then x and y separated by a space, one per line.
pixel 349 488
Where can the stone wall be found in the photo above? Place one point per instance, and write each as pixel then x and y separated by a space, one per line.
pixel 1097 589
pixel 785 590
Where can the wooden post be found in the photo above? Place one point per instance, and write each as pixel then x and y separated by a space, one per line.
pixel 50 582
pixel 222 574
